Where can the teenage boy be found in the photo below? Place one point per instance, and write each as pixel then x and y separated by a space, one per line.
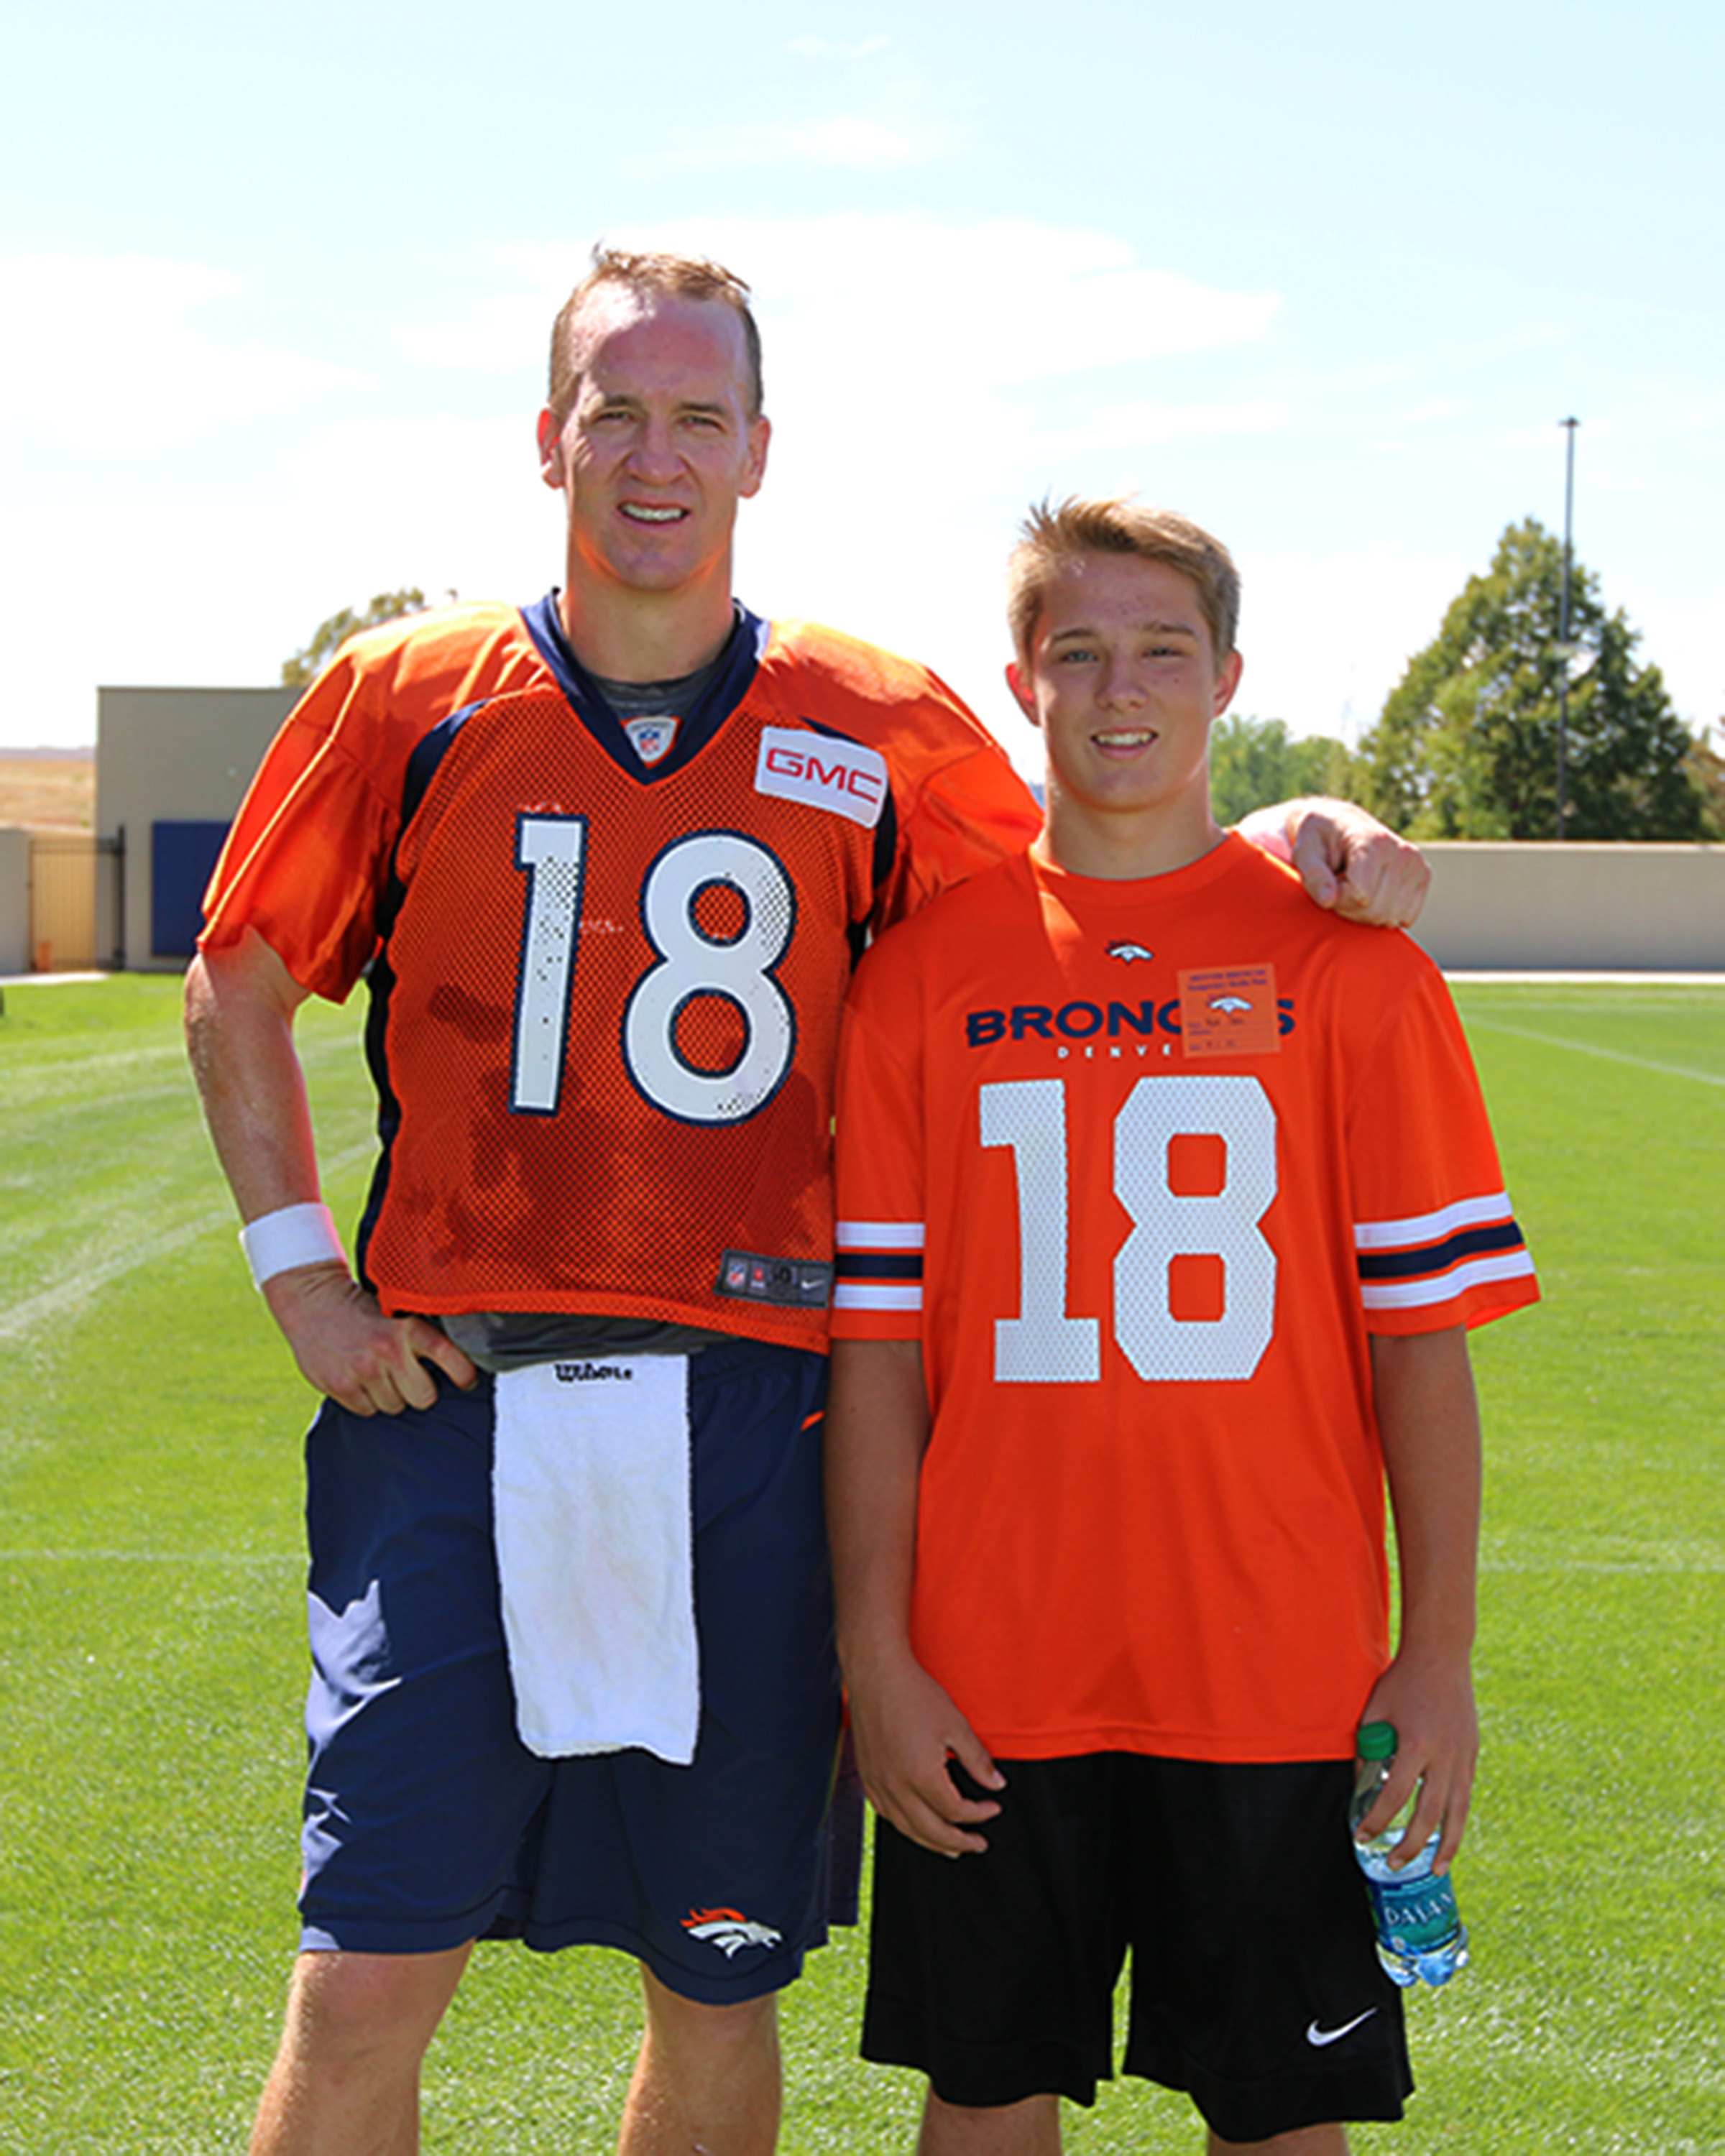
pixel 1165 1203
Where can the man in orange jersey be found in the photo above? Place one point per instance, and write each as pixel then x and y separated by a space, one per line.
pixel 605 862
pixel 1165 1201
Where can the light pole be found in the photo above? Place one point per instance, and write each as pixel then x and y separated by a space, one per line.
pixel 1569 426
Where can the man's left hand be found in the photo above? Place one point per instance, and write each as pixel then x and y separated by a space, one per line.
pixel 1347 860
pixel 1352 863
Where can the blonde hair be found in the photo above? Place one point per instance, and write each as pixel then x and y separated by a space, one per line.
pixel 678 276
pixel 1118 524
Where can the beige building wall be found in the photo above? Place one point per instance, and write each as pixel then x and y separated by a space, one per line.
pixel 1581 906
pixel 14 900
pixel 174 756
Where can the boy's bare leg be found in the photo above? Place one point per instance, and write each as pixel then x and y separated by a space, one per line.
pixel 345 2079
pixel 1304 2141
pixel 1029 2128
pixel 706 2082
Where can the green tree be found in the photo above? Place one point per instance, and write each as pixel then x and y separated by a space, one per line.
pixel 329 635
pixel 1466 746
pixel 1706 768
pixel 1254 761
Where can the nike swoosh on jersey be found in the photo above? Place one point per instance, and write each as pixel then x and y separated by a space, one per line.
pixel 1317 2038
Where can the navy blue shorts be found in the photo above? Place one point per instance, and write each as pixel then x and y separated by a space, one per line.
pixel 1254 1986
pixel 428 1823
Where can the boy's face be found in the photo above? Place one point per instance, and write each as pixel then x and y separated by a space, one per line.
pixel 1123 680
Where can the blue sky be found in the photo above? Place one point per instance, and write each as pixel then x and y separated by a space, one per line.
pixel 278 281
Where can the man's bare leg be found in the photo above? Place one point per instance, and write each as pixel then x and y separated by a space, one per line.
pixel 345 2081
pixel 1304 2141
pixel 706 2082
pixel 1029 2128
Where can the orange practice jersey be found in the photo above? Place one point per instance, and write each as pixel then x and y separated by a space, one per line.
pixel 1141 1165
pixel 606 990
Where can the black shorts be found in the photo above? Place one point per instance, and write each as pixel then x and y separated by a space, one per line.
pixel 1255 1984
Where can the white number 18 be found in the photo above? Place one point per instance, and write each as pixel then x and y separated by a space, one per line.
pixel 1043 1344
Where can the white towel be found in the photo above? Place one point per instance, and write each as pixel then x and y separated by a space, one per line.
pixel 595 1555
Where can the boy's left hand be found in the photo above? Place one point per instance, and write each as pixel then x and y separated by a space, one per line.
pixel 1431 1704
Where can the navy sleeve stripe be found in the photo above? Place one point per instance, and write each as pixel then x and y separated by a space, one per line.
pixel 880 1265
pixel 1438 1257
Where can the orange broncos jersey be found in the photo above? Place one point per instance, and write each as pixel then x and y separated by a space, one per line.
pixel 606 980
pixel 1141 1165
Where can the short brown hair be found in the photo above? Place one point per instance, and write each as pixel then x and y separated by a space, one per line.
pixel 680 276
pixel 1119 525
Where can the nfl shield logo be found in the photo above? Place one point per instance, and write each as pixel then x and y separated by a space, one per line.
pixel 651 738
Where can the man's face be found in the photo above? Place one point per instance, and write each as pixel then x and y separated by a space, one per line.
pixel 658 448
pixel 1121 677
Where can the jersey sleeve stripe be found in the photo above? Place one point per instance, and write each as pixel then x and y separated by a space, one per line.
pixel 1430 1227
pixel 1478 1272
pixel 856 1296
pixel 1433 1257
pixel 879 1234
pixel 880 1265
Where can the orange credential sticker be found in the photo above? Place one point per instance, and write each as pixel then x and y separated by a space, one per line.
pixel 1228 1010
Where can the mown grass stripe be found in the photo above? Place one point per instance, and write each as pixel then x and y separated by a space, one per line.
pixel 1592 1048
pixel 96 1273
pixel 198 1557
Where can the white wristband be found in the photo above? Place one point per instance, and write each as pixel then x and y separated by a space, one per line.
pixel 292 1235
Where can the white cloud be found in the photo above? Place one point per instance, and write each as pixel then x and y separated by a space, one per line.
pixel 904 308
pixel 1142 426
pixel 996 302
pixel 1327 635
pixel 111 336
pixel 218 593
pixel 843 142
pixel 499 330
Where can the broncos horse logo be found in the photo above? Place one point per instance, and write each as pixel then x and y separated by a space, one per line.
pixel 729 1930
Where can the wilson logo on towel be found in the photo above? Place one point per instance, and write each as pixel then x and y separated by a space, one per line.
pixel 729 1930
pixel 591 1374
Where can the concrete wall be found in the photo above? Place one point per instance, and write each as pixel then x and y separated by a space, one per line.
pixel 14 900
pixel 1580 906
pixel 174 756
pixel 185 756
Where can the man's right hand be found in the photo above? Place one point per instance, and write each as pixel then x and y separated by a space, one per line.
pixel 346 1346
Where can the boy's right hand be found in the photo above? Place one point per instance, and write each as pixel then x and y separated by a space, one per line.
pixel 907 1730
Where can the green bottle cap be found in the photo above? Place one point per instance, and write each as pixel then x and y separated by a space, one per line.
pixel 1377 1740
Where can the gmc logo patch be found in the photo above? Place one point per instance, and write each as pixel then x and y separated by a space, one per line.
pixel 839 775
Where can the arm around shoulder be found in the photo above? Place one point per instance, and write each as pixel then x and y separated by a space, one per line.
pixel 1347 860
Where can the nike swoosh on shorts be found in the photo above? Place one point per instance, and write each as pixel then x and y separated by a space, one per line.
pixel 1319 2037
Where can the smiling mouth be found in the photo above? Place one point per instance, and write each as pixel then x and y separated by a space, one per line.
pixel 1125 738
pixel 647 512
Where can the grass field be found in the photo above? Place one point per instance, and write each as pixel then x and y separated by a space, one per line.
pixel 152 1655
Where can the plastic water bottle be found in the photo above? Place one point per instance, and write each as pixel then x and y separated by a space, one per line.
pixel 1421 1933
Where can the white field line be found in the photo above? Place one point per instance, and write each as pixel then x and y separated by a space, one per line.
pixel 1641 1567
pixel 64 1294
pixel 1618 1554
pixel 1589 1048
